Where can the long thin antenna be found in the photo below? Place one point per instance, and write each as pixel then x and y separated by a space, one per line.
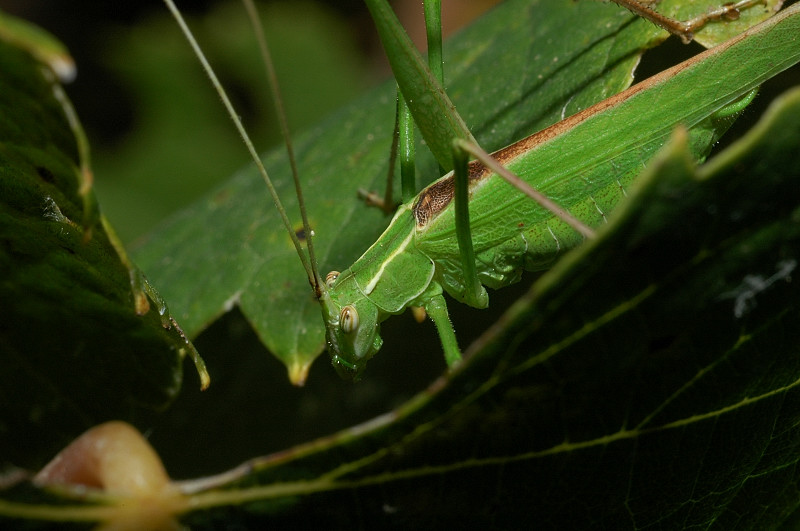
pixel 280 111
pixel 313 277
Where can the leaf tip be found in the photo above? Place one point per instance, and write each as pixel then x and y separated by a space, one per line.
pixel 298 373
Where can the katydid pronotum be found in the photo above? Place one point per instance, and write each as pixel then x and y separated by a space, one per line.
pixel 414 262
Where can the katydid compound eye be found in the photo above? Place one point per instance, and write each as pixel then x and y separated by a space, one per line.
pixel 348 319
pixel 330 278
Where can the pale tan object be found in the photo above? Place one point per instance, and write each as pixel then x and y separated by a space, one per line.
pixel 115 459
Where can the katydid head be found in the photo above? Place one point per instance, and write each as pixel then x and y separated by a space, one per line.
pixel 352 327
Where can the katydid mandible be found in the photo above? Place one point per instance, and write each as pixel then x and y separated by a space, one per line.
pixel 416 260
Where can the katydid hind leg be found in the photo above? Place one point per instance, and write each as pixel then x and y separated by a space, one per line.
pixel 407 150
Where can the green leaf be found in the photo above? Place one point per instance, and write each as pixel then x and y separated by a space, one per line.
pixel 651 379
pixel 74 350
pixel 521 68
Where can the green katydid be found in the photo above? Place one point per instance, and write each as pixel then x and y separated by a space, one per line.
pixel 385 281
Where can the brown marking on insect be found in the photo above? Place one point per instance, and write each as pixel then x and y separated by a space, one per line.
pixel 435 198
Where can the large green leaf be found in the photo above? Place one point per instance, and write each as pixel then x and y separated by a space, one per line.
pixel 525 66
pixel 651 379
pixel 74 349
